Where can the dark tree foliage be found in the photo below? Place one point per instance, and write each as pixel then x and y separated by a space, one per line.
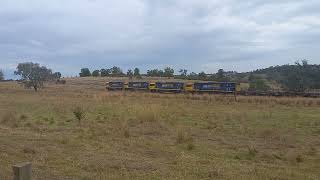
pixel 168 72
pixel 105 72
pixel 202 76
pixel 33 75
pixel 136 72
pixel 96 73
pixel 56 75
pixel 1 75
pixel 183 73
pixel 130 73
pixel 155 73
pixel 220 74
pixel 193 76
pixel 116 71
pixel 85 72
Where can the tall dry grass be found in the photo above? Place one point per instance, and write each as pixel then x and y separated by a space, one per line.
pixel 139 135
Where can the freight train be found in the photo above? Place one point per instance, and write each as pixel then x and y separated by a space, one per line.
pixel 175 87
pixel 200 87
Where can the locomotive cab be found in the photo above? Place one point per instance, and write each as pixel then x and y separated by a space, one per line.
pixel 152 87
pixel 189 87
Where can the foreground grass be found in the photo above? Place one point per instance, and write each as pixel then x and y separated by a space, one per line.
pixel 152 136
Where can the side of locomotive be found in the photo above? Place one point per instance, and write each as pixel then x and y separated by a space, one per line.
pixel 137 86
pixel 176 87
pixel 212 87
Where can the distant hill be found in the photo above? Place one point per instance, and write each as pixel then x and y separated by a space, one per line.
pixel 298 77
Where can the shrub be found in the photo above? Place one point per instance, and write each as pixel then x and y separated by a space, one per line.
pixel 23 117
pixel 190 146
pixel 299 158
pixel 59 81
pixel 79 113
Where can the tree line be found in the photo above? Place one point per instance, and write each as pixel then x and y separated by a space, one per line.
pixel 168 72
pixel 117 72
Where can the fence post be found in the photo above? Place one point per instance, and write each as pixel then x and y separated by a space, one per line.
pixel 22 171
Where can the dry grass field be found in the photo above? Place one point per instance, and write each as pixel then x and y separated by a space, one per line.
pixel 156 136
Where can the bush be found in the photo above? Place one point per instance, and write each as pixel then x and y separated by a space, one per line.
pixel 299 158
pixel 79 113
pixel 59 81
pixel 190 146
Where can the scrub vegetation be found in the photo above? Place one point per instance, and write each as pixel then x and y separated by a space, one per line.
pixel 80 131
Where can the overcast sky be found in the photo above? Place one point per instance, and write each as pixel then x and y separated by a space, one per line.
pixel 66 35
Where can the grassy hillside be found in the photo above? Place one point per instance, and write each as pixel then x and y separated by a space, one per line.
pixel 156 136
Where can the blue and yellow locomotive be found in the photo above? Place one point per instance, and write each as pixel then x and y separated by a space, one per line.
pixel 212 87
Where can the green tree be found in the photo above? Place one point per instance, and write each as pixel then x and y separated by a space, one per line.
pixel 136 72
pixel 116 71
pixel 193 76
pixel 168 72
pixel 105 72
pixel 130 73
pixel 56 75
pixel 33 75
pixel 155 73
pixel 1 75
pixel 85 72
pixel 220 75
pixel 183 73
pixel 202 75
pixel 96 73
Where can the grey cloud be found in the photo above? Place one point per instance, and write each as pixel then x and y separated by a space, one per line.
pixel 193 34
